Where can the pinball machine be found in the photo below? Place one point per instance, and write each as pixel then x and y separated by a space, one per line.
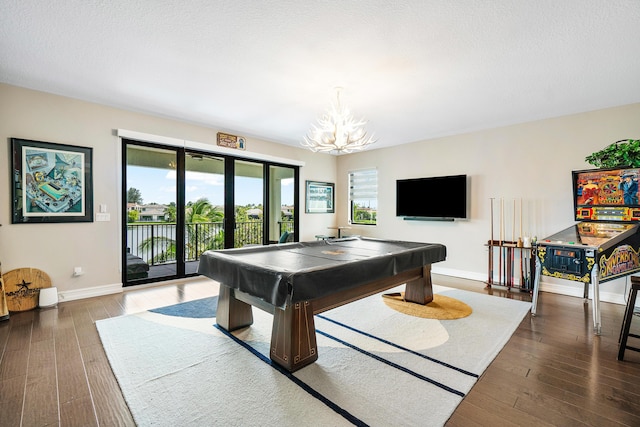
pixel 605 244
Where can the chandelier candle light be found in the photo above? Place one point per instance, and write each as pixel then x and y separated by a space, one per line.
pixel 338 131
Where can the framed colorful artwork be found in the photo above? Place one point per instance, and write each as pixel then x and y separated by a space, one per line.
pixel 50 182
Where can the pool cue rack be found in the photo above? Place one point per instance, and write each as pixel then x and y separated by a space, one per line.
pixel 511 262
pixel 510 265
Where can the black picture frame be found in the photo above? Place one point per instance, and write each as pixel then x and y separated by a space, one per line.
pixel 319 197
pixel 50 183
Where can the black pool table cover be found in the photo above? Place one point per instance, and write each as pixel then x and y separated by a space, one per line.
pixel 288 273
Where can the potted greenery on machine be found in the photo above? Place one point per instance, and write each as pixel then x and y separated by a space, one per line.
pixel 625 152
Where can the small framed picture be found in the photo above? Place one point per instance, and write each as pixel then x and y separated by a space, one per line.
pixel 319 197
pixel 50 182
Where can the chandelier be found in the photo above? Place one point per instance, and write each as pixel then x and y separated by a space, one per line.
pixel 338 131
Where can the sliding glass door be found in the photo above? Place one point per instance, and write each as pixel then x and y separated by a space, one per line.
pixel 248 187
pixel 282 203
pixel 263 213
pixel 180 203
pixel 151 215
pixel 204 207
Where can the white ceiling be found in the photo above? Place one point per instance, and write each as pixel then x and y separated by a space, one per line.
pixel 416 69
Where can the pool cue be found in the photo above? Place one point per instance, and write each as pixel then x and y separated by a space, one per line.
pixel 527 261
pixel 501 249
pixel 490 279
pixel 511 252
pixel 513 224
pixel 527 272
pixel 513 267
pixel 520 237
pixel 508 267
pixel 505 263
pixel 521 267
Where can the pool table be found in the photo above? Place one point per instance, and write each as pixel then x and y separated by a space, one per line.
pixel 294 281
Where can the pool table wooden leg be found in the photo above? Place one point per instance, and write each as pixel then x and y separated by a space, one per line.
pixel 420 290
pixel 293 336
pixel 232 313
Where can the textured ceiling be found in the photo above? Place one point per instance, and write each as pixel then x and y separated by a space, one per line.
pixel 415 69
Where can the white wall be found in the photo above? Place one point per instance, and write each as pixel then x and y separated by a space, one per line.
pixel 58 248
pixel 532 161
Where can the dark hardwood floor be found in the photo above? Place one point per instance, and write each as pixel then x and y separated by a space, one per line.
pixel 554 371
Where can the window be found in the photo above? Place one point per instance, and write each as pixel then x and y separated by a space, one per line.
pixel 363 196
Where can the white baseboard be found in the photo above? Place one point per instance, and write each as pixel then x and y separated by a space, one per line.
pixel 94 291
pixel 116 288
pixel 459 273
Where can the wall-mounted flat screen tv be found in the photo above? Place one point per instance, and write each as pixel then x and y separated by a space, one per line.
pixel 606 194
pixel 440 197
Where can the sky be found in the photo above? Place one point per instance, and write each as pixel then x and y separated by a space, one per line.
pixel 159 186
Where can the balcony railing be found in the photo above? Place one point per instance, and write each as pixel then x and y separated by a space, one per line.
pixel 156 243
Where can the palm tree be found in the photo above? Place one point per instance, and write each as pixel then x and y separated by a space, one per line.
pixel 202 211
pixel 199 237
pixel 200 234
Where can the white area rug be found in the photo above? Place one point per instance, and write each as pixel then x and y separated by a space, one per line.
pixel 376 366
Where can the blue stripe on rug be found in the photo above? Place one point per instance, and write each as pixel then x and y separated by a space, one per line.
pixel 344 413
pixel 197 309
pixel 424 356
pixel 393 365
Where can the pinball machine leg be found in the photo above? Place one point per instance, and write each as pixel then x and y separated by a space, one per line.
pixel 585 293
pixel 536 287
pixel 597 322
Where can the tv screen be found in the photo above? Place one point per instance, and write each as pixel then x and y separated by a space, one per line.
pixel 435 197
pixel 606 194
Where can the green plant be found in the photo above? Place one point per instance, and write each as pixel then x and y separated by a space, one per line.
pixel 625 152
